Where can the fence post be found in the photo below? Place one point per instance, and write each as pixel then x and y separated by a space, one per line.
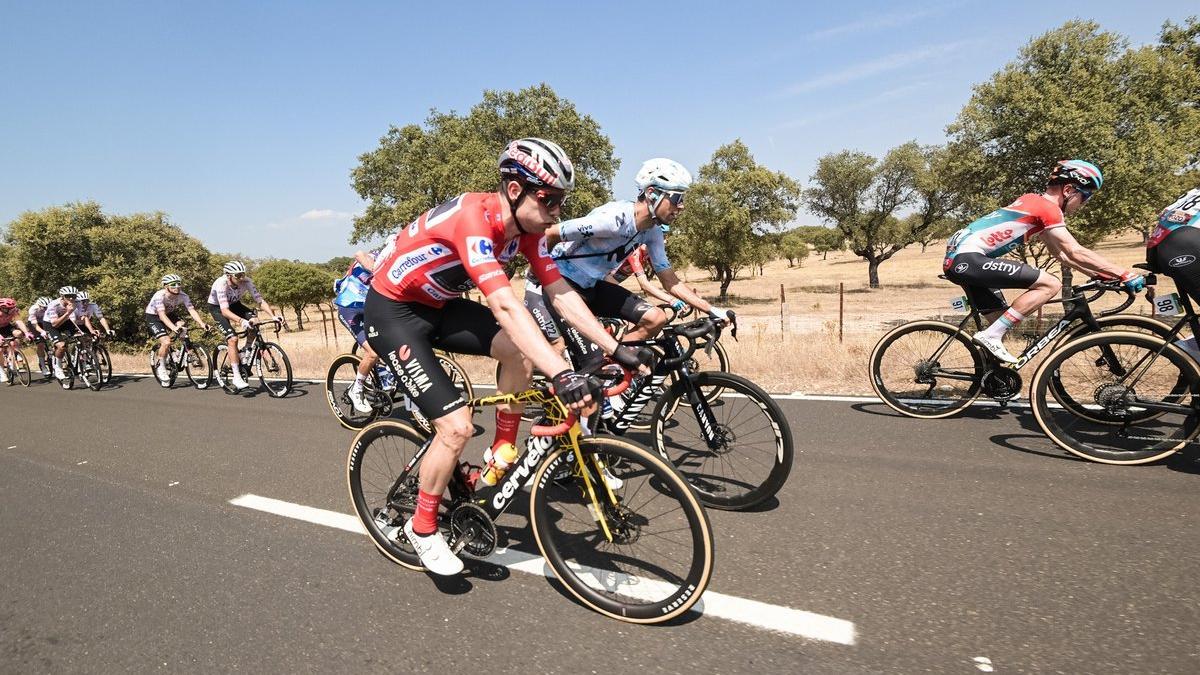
pixel 841 307
pixel 782 309
pixel 324 328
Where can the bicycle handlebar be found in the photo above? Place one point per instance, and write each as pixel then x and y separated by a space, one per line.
pixel 565 426
pixel 1102 286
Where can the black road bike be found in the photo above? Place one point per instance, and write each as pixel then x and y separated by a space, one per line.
pixel 260 357
pixel 80 360
pixel 15 365
pixel 932 369
pixel 1131 398
pixel 380 390
pixel 618 526
pixel 184 355
pixel 728 437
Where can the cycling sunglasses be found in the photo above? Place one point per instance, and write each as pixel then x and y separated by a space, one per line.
pixel 676 198
pixel 550 199
pixel 174 285
pixel 1085 193
pixel 240 275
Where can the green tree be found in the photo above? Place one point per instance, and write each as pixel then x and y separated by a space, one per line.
pixel 294 284
pixel 823 239
pixel 418 167
pixel 338 264
pixel 1077 91
pixel 50 248
pixel 793 246
pixel 731 206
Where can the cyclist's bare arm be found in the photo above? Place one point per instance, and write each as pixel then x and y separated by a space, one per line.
pixel 196 317
pixel 365 260
pixel 515 320
pixel 87 321
pixel 670 281
pixel 649 289
pixel 1066 249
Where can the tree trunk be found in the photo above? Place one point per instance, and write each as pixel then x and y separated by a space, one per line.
pixel 299 309
pixel 725 274
pixel 824 255
pixel 873 273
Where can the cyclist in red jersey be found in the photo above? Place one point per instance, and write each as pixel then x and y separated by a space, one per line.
pixel 971 252
pixel 415 304
pixel 635 265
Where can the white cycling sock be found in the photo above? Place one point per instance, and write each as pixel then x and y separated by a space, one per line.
pixel 1000 326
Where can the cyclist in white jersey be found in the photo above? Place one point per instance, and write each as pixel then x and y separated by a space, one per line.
pixel 36 311
pixel 58 322
pixel 592 247
pixel 224 303
pixel 86 310
pixel 161 318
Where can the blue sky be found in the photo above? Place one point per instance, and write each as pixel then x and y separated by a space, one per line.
pixel 243 121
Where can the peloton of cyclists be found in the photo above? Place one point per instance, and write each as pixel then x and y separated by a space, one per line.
pixel 972 252
pixel 161 318
pixel 225 305
pixel 415 304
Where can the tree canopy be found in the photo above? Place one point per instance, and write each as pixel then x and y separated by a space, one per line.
pixel 417 167
pixel 294 284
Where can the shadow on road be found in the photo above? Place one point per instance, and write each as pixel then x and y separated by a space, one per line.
pixel 1021 443
pixel 976 412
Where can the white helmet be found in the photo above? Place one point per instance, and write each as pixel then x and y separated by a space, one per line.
pixel 174 279
pixel 538 162
pixel 68 290
pixel 84 297
pixel 234 267
pixel 42 301
pixel 664 174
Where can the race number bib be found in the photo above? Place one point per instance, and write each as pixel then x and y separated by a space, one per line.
pixel 960 304
pixel 1167 305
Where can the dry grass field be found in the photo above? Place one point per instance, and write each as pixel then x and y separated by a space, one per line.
pixel 801 353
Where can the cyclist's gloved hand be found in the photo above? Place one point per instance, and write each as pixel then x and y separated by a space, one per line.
pixel 245 323
pixel 1133 281
pixel 572 387
pixel 718 313
pixel 678 305
pixel 111 332
pixel 633 358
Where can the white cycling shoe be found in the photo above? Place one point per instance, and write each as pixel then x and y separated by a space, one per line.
pixel 434 552
pixel 994 346
pixel 58 372
pixel 358 399
pixel 164 378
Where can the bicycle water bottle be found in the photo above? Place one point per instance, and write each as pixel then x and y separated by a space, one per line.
pixel 499 462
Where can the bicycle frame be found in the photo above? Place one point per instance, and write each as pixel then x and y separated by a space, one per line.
pixel 496 499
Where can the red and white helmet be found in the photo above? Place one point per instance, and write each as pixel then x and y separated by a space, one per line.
pixel 537 162
pixel 7 304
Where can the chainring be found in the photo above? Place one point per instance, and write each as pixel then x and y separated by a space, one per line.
pixel 1002 384
pixel 472 530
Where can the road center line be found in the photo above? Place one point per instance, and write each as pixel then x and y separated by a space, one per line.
pixel 732 608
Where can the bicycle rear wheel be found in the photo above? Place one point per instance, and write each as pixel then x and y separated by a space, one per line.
pixel 1148 406
pixel 659 558
pixel 172 370
pixel 926 369
pixel 382 500
pixel 274 370
pixel 754 442
pixel 198 367
pixel 338 380
pixel 103 364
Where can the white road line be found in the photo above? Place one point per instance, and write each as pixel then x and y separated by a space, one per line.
pixel 12 447
pixel 750 612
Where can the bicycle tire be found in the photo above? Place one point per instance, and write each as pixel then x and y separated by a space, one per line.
pixel 1133 322
pixel 88 370
pixel 223 370
pixel 272 358
pixel 197 366
pixel 380 451
pixel 906 362
pixel 335 394
pixel 172 369
pixel 104 364
pixel 1175 379
pixel 68 369
pixel 577 555
pixel 726 479
pixel 21 371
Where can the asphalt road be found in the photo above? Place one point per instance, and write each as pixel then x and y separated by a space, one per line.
pixel 959 546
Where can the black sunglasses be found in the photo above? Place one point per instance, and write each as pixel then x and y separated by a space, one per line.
pixel 550 199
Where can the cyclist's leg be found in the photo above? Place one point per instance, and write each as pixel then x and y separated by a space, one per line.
pixel 1178 257
pixel 609 299
pixel 158 331
pixel 584 353
pixel 352 319
pixel 976 269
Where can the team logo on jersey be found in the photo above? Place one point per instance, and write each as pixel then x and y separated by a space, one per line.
pixel 961 267
pixel 1177 217
pixel 542 251
pixel 1000 266
pixel 404 352
pixel 510 250
pixel 1182 261
pixel 997 237
pixel 480 250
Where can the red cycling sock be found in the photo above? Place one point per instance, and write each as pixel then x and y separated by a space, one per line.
pixel 425 519
pixel 507 425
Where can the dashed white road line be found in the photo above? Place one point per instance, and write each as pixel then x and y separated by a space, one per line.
pixel 750 612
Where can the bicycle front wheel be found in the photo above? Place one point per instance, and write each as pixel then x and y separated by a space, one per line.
pixel 338 380
pixel 384 499
pixel 88 370
pixel 274 370
pixel 20 371
pixel 736 452
pixel 104 364
pixel 198 367
pixel 926 369
pixel 1143 390
pixel 643 553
